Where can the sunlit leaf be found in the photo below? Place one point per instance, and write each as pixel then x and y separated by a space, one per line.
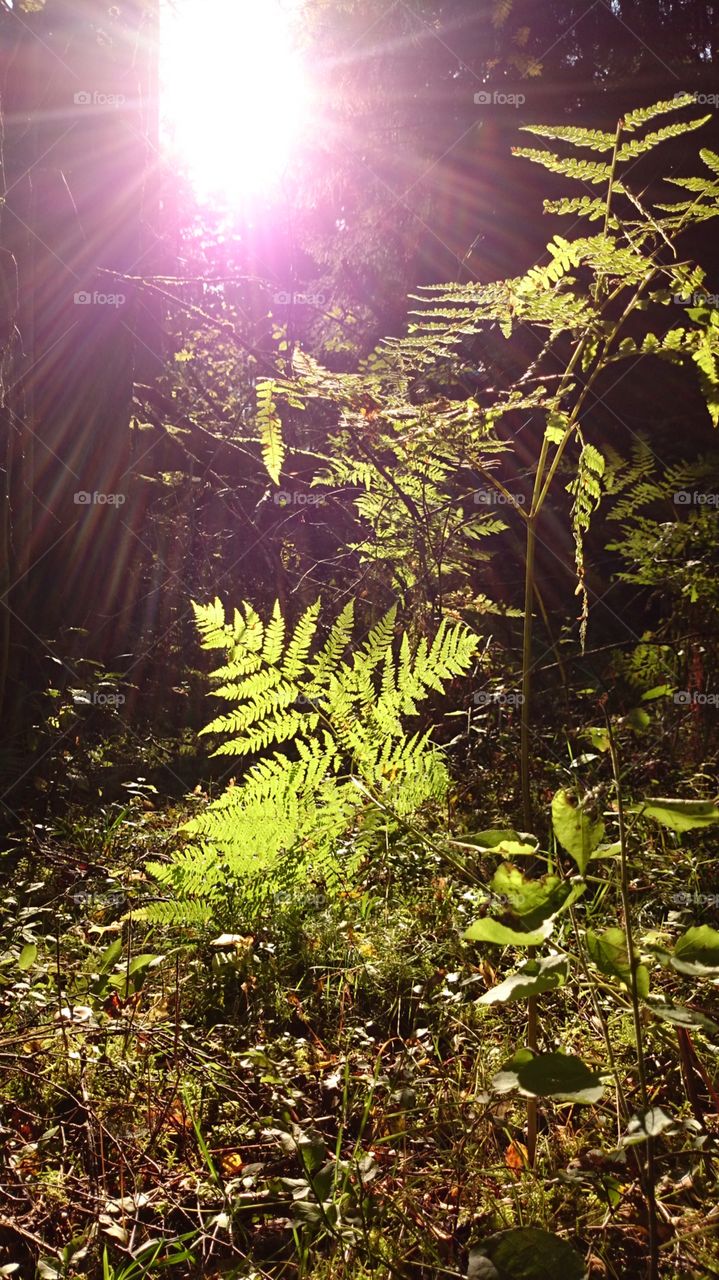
pixel 500 935
pixel 532 900
pixel 575 830
pixel 27 956
pixel 678 815
pixel 534 977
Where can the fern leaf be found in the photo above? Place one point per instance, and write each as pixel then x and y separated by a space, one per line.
pixel 638 146
pixel 635 119
pixel 587 491
pixel 296 655
pixel 593 139
pixel 274 637
pixel 270 428
pixel 592 171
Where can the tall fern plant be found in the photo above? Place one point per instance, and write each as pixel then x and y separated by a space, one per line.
pixel 604 296
pixel 324 723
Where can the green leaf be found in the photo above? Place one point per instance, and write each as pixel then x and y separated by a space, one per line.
pixel 561 1076
pixel 500 841
pixel 659 691
pixel 574 829
pixel 678 815
pixel 610 953
pixel 697 952
pixel 534 977
pixel 681 1016
pixel 27 956
pixel 532 900
pixel 270 428
pixel 638 719
pixel 506 1079
pixel 525 1253
pixel 648 1124
pixel 110 956
pixel 500 936
pixel 136 972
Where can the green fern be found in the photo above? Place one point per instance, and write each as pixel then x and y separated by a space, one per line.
pixel 668 526
pixel 586 489
pixel 270 428
pixel 636 119
pixel 328 725
pixel 592 139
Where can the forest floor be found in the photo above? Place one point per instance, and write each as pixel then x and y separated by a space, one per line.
pixel 314 1097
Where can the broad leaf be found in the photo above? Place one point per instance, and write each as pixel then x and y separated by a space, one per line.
pixel 678 815
pixel 526 1253
pixel 532 900
pixel 680 1016
pixel 697 952
pixel 648 1124
pixel 610 953
pixel 534 977
pixel 561 1076
pixel 504 841
pixel 500 936
pixel 575 830
pixel 27 956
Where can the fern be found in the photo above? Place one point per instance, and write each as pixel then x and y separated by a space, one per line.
pixel 668 526
pixel 636 119
pixel 593 139
pixel 592 171
pixel 586 489
pixel 639 146
pixel 337 715
pixel 270 428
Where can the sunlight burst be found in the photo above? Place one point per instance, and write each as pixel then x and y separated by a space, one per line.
pixel 234 93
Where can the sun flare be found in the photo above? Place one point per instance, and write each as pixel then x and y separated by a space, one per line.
pixel 234 93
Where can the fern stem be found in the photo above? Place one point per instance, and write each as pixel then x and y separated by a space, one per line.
pixel 610 188
pixel 649 1181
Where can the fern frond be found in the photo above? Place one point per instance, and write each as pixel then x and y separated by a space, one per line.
pixel 274 637
pixel 270 428
pixel 593 139
pixel 582 206
pixel 296 654
pixel 638 146
pixel 636 119
pixel 297 811
pixel 592 171
pixel 586 490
